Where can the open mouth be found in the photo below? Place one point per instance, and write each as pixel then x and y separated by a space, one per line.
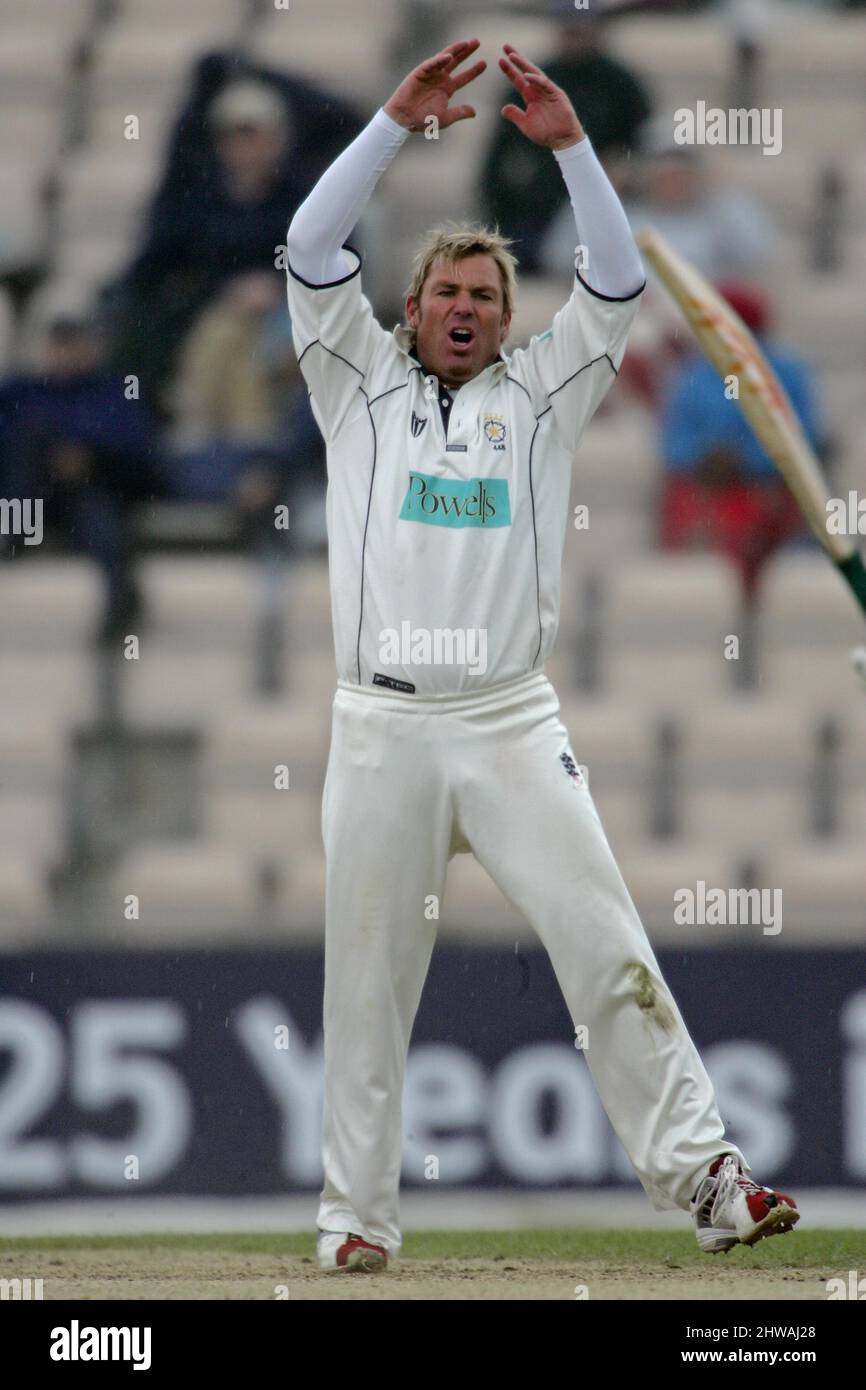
pixel 461 337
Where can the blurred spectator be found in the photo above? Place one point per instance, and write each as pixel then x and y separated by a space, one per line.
pixel 719 228
pixel 224 388
pixel 245 432
pixel 722 491
pixel 70 436
pixel 221 211
pixel 319 127
pixel 519 193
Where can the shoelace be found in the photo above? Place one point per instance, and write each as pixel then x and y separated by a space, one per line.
pixel 730 1176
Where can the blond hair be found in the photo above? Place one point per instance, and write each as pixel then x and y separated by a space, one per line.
pixel 454 241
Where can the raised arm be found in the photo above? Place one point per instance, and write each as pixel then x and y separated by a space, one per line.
pixel 324 220
pixel 613 264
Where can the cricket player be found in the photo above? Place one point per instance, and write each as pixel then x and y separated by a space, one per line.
pixel 449 464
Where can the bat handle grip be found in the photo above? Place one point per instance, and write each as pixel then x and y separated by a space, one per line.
pixel 854 573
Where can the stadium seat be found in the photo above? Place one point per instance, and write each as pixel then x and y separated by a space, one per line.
pixel 666 618
pixel 850 725
pixel 25 906
pixel 825 319
pixel 107 126
pixel 48 604
pixel 7 331
pixel 60 16
pixel 24 241
pixel 617 742
pixel 823 887
pixel 820 124
pixel 654 871
pixel 30 143
pixel 106 194
pixel 808 622
pixel 814 44
pixel 88 263
pixel 662 47
pixel 58 682
pixel 344 56
pixel 186 892
pixel 308 605
pixel 243 745
pixel 35 61
pixel 617 464
pixel 425 187
pixel 746 770
pixel 206 601
pixel 767 178
pixel 226 14
pixel 32 751
pixel 142 62
pixel 280 825
pixel 300 903
pixel 533 34
pixel 612 531
pixel 310 676
pixel 848 465
pixel 182 687
pixel 32 824
pixel 539 300
pixel 842 400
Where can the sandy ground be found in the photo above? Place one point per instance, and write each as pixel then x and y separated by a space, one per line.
pixel 196 1274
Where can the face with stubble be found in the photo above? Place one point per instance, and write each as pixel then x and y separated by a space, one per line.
pixel 460 320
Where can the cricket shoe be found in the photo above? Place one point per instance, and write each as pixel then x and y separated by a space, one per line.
pixel 343 1250
pixel 729 1209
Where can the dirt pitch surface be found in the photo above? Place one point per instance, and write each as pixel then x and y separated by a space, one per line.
pixel 444 1265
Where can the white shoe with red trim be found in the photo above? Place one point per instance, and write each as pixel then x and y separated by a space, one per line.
pixel 343 1250
pixel 729 1209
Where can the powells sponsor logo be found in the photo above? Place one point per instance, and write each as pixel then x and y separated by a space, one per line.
pixel 453 502
pixel 494 428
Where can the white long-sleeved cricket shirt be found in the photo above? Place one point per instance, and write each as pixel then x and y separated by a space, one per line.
pixel 446 540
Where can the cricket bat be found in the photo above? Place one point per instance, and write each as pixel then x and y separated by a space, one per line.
pixel 733 351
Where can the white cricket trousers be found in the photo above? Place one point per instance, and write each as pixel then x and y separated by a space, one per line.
pixel 411 780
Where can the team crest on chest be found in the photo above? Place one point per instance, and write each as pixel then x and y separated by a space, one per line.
pixel 494 428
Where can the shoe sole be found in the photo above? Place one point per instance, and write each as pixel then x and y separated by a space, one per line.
pixel 716 1242
pixel 778 1221
pixel 365 1262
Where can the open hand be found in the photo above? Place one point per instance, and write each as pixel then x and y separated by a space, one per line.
pixel 549 118
pixel 429 88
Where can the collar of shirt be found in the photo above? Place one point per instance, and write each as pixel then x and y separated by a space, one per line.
pixel 405 339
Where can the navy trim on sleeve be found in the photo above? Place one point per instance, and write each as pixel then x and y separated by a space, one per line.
pixel 609 298
pixel 332 284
